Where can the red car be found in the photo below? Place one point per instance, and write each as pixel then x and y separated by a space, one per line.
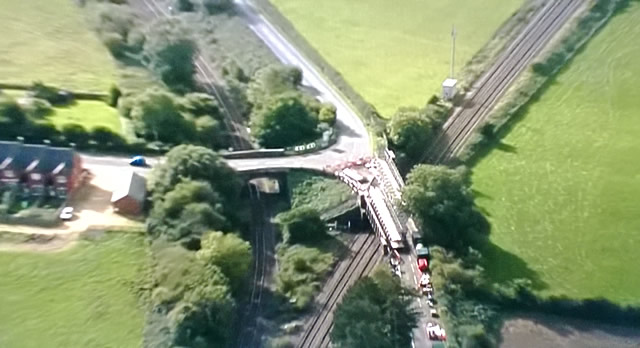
pixel 423 265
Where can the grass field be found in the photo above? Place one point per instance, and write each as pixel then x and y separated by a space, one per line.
pixel 50 41
pixel 564 196
pixel 395 53
pixel 80 297
pixel 87 113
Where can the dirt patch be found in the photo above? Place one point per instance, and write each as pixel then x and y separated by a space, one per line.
pixel 37 242
pixel 543 331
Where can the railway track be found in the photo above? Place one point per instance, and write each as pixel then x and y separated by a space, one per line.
pixel 363 258
pixel 495 82
pixel 209 77
pixel 263 264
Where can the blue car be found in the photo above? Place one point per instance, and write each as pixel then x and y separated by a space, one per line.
pixel 138 161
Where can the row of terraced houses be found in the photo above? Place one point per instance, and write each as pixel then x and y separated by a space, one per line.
pixel 39 169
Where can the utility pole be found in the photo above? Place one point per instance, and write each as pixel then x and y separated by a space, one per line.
pixel 453 50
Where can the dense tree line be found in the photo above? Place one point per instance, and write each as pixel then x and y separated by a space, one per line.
pixel 376 312
pixel 441 199
pixel 200 272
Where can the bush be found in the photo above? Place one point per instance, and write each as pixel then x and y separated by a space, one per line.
pixel 104 136
pixel 327 114
pixel 301 225
pixel 75 133
pixel 114 95
pixel 51 94
pixel 10 111
pixel 37 108
pixel 300 273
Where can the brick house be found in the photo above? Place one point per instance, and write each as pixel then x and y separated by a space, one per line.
pixel 128 197
pixel 39 168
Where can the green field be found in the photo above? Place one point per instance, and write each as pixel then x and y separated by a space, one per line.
pixel 50 41
pixel 87 113
pixel 395 53
pixel 80 297
pixel 565 196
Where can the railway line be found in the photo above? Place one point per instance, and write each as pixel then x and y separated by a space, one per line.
pixel 363 258
pixel 263 243
pixel 496 81
pixel 210 80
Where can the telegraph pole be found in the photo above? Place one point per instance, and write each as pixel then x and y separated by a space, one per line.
pixel 453 50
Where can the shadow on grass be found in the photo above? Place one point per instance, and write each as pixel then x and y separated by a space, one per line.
pixel 502 266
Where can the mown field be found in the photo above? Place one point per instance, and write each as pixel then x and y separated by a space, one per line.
pixel 564 197
pixel 80 297
pixel 87 113
pixel 50 41
pixel 395 53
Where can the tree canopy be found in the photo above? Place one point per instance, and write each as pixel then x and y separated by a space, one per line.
pixel 156 116
pixel 188 210
pixel 196 163
pixel 284 121
pixel 170 52
pixel 300 271
pixel 228 252
pixel 410 131
pixel 375 312
pixel 301 225
pixel 441 199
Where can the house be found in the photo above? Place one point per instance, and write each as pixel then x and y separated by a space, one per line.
pixel 39 168
pixel 128 197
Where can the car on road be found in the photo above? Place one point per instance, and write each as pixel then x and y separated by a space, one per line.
pixel 434 313
pixel 435 332
pixel 66 214
pixel 138 161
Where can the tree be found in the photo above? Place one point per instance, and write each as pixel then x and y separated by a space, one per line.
pixel 170 53
pixel 442 201
pixel 187 211
pixel 228 252
pixel 300 271
pixel 201 104
pixel 114 95
pixel 410 131
pixel 203 315
pixel 106 137
pixel 210 132
pixel 302 225
pixel 10 111
pixel 215 6
pixel 156 116
pixel 327 114
pixel 375 312
pixel 115 24
pixel 184 5
pixel 272 81
pixel 284 121
pixel 75 133
pixel 195 163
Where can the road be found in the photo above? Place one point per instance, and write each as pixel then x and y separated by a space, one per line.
pixel 496 81
pixel 353 136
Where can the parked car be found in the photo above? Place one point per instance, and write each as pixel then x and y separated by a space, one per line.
pixel 434 313
pixel 138 161
pixel 66 214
